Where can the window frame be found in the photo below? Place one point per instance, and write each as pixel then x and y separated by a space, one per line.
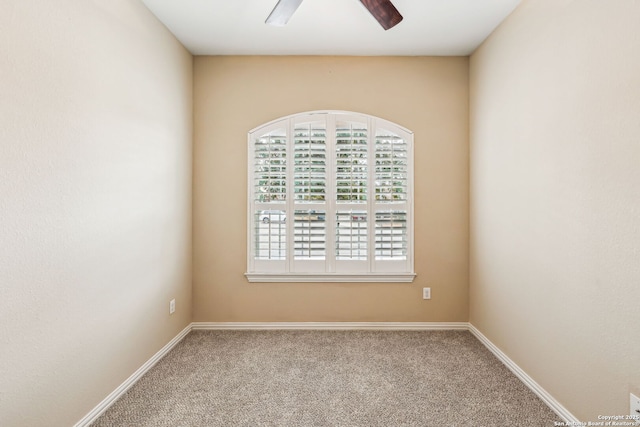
pixel 330 269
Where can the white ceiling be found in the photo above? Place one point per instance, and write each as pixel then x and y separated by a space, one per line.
pixel 331 27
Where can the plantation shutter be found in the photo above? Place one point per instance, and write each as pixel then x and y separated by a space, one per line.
pixel 392 187
pixel 351 197
pixel 269 197
pixel 330 199
pixel 351 162
pixel 310 192
pixel 270 167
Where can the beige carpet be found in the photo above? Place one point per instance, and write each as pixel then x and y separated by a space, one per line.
pixel 329 378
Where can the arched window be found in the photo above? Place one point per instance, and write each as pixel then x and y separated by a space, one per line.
pixel 330 198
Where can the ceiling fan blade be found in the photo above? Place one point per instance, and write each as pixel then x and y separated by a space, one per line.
pixel 384 12
pixel 282 12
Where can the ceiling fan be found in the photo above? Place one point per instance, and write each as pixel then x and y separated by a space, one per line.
pixel 383 10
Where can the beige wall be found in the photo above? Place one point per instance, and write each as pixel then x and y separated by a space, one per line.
pixel 555 198
pixel 95 201
pixel 232 95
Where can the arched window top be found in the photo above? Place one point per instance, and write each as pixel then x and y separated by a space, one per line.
pixel 336 113
pixel 330 199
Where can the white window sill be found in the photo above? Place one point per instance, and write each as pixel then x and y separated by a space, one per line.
pixel 330 277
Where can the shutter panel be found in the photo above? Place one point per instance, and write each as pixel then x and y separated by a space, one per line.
pixel 270 187
pixel 270 167
pixel 310 152
pixel 351 191
pixel 391 235
pixel 310 190
pixel 351 162
pixel 392 167
pixel 270 233
pixel 309 235
pixel 392 187
pixel 351 235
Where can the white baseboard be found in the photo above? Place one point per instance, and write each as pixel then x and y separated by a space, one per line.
pixel 332 326
pixel 122 389
pixel 549 400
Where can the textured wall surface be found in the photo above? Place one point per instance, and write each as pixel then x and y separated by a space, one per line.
pixel 236 94
pixel 555 198
pixel 95 201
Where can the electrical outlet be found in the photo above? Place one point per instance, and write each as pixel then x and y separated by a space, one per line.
pixel 426 293
pixel 172 306
pixel 634 406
